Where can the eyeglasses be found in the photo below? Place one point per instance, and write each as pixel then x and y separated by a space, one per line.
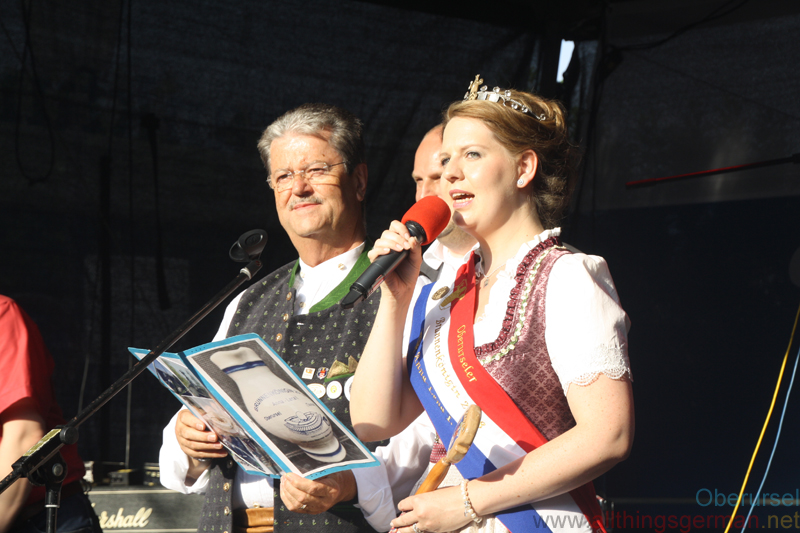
pixel 317 173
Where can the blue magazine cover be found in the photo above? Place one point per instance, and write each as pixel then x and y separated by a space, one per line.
pixel 264 414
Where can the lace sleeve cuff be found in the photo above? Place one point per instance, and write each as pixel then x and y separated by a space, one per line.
pixel 613 362
pixel 587 329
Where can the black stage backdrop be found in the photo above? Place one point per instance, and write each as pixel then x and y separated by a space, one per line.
pixel 79 138
pixel 702 265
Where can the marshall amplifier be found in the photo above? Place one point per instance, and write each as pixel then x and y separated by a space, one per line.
pixel 132 509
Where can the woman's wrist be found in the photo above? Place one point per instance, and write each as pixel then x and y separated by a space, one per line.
pixel 396 300
pixel 469 511
pixel 394 309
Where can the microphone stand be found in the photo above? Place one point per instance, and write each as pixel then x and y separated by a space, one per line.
pixel 46 452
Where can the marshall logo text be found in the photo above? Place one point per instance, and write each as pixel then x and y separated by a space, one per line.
pixel 122 520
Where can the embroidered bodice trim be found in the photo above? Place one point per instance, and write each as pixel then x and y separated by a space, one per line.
pixel 517 303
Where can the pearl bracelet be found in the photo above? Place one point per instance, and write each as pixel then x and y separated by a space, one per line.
pixel 469 512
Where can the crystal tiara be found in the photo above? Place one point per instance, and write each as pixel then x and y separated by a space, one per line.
pixel 497 95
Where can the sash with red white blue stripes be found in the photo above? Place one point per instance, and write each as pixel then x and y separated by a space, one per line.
pixel 450 378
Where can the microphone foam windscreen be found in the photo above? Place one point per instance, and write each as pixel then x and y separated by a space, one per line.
pixel 432 213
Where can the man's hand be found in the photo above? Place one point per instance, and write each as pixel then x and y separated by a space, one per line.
pixel 198 443
pixel 316 496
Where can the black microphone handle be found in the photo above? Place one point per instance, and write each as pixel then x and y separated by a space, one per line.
pixel 377 270
pixel 364 285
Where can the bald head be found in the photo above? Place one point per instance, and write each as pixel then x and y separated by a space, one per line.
pixel 427 171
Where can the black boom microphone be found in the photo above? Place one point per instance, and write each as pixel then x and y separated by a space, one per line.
pixel 249 246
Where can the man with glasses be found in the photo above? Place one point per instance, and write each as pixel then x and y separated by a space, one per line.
pixel 314 157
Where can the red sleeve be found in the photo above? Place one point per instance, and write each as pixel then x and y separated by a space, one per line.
pixel 26 367
pixel 25 364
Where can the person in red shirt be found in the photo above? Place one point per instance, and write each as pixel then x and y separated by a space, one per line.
pixel 28 410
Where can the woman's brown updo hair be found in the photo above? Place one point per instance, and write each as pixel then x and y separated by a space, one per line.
pixel 548 138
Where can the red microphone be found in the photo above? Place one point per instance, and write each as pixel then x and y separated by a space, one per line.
pixel 431 214
pixel 425 221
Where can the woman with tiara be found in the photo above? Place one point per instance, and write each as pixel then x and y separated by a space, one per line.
pixel 530 330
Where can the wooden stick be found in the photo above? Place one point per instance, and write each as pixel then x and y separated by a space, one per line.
pixel 459 445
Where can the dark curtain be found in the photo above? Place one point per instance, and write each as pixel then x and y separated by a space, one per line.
pixel 702 265
pixel 106 86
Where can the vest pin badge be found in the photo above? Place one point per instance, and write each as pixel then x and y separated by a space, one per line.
pixel 322 372
pixel 347 386
pixel 318 389
pixel 308 373
pixel 334 390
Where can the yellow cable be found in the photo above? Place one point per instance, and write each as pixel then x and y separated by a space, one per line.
pixel 766 423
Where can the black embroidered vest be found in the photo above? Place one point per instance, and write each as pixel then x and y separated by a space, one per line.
pixel 315 340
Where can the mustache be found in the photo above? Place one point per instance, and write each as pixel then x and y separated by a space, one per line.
pixel 308 200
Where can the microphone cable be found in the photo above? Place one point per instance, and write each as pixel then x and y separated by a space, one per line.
pixel 777 436
pixel 764 429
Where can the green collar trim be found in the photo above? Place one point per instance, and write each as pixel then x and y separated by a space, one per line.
pixel 295 269
pixel 343 288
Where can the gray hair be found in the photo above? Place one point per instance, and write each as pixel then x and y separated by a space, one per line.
pixel 312 119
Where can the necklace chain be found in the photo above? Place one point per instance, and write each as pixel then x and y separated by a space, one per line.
pixel 490 274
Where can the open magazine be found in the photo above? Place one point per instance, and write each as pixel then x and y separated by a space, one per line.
pixel 263 413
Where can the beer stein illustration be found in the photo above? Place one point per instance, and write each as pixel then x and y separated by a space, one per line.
pixel 278 407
